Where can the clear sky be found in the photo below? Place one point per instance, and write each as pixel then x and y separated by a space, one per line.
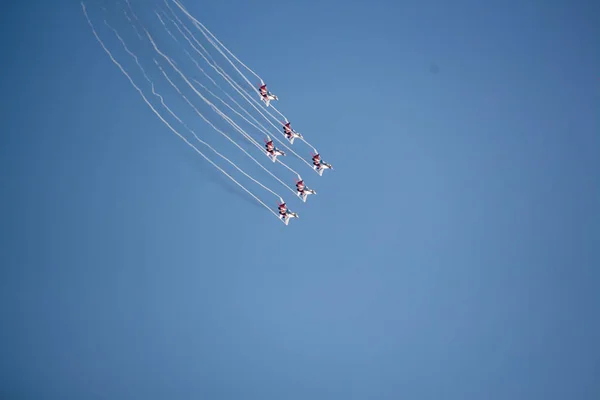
pixel 452 254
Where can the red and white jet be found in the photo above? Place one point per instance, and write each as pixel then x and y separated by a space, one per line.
pixel 272 151
pixel 319 165
pixel 302 190
pixel 289 132
pixel 286 214
pixel 266 95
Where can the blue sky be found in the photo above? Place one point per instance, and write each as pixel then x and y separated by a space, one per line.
pixel 453 253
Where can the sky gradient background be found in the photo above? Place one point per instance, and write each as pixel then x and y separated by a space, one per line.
pixel 452 254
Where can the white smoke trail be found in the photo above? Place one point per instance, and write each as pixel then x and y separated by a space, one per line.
pixel 215 108
pixel 180 121
pixel 234 84
pixel 161 117
pixel 223 133
pixel 205 119
pixel 231 108
pixel 228 105
pixel 195 22
pixel 184 50
pixel 217 40
pixel 132 24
